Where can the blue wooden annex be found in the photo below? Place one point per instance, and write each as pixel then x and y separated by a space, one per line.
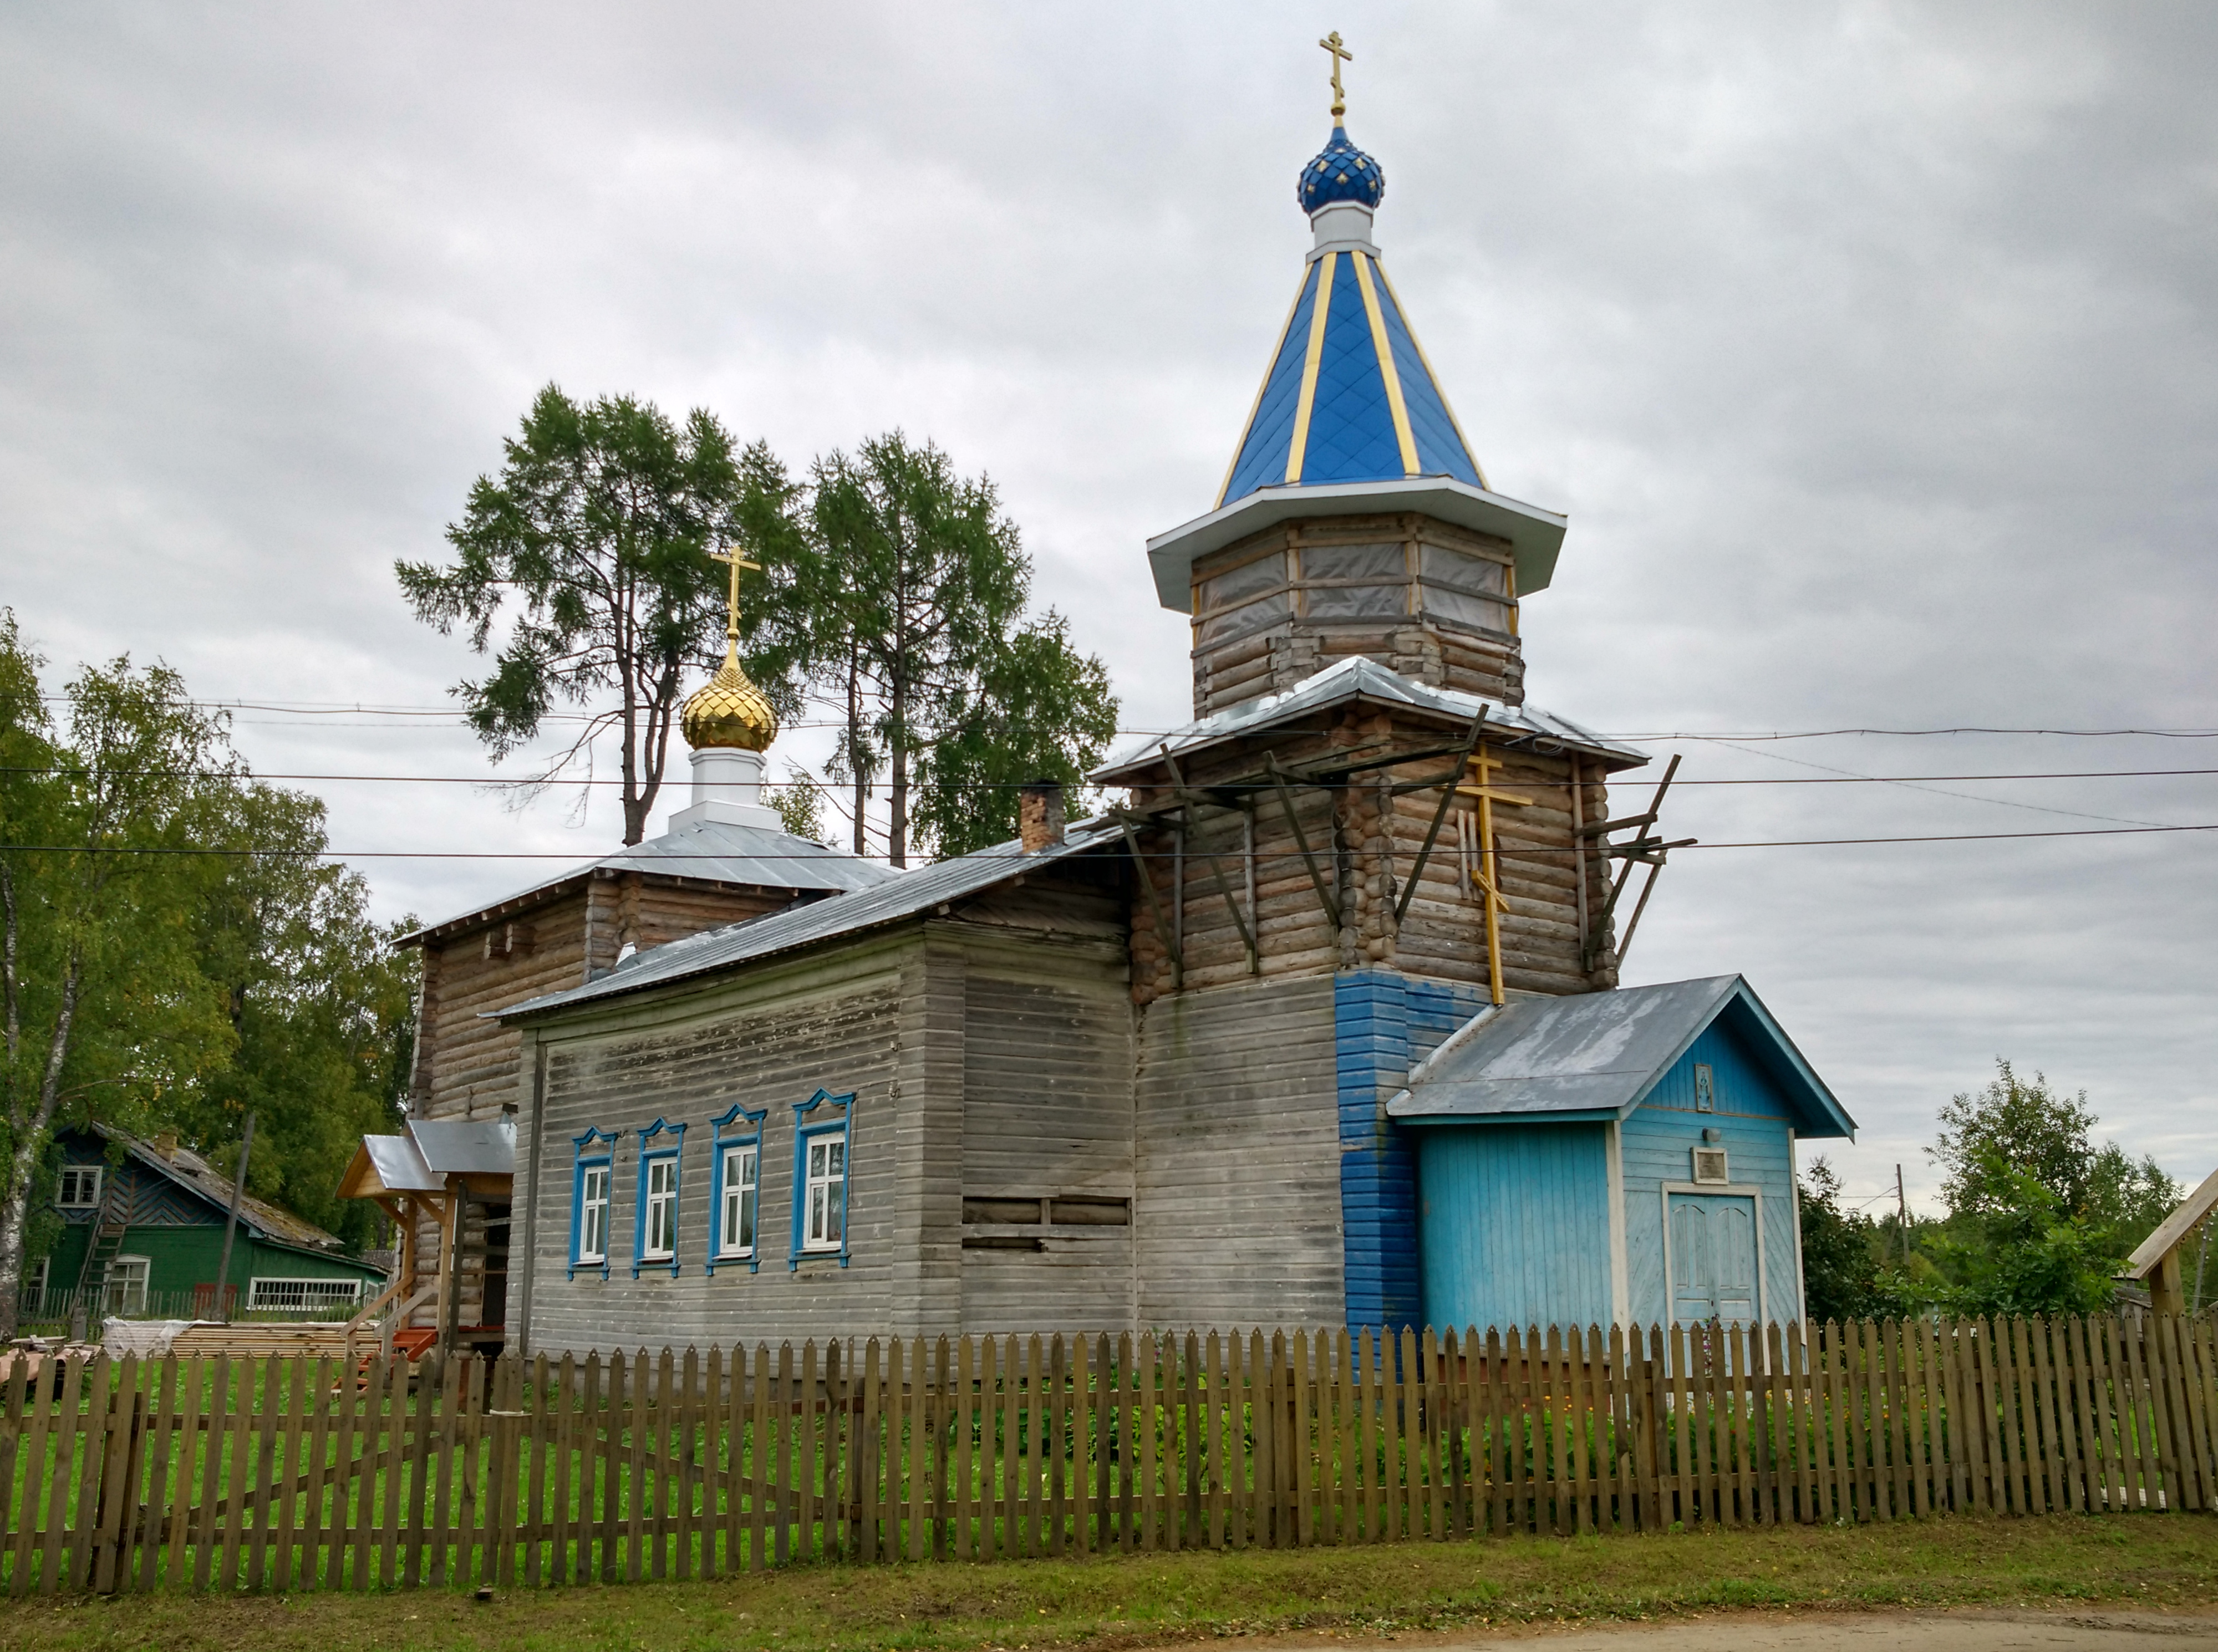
pixel 1612 1157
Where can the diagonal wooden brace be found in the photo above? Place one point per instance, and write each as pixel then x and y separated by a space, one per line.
pixel 1448 785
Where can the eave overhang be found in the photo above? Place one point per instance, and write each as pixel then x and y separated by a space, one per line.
pixel 1535 535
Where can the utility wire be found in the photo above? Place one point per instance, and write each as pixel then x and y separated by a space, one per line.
pixel 660 857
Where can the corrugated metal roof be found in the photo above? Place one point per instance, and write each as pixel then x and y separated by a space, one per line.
pixel 399 1167
pixel 715 851
pixel 1356 677
pixel 483 1146
pixel 189 1170
pixel 1600 1053
pixel 904 896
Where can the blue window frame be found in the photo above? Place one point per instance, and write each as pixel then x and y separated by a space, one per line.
pixel 735 1189
pixel 823 1165
pixel 592 1199
pixel 654 1217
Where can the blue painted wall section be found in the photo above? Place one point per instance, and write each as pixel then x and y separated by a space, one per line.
pixel 1515 1229
pixel 1753 1119
pixel 1382 1022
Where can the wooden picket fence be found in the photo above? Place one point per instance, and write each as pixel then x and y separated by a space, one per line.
pixel 295 1473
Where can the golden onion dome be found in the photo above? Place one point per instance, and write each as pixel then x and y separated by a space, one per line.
pixel 728 711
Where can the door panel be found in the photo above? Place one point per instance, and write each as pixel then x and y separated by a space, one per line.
pixel 1712 1257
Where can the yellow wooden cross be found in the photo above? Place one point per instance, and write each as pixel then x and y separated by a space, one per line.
pixel 732 604
pixel 1340 54
pixel 1487 878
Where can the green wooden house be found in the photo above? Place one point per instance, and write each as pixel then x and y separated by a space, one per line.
pixel 142 1235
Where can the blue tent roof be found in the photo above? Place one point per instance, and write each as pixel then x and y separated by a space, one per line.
pixel 1349 397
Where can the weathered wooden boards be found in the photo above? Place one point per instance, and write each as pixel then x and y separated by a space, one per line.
pixel 279 1473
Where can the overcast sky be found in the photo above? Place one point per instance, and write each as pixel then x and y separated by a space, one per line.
pixel 1870 348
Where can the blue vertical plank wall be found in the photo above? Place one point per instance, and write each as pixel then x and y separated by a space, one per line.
pixel 1515 1224
pixel 1382 1022
pixel 1753 1119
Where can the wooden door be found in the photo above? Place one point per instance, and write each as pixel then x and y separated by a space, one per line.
pixel 1713 1257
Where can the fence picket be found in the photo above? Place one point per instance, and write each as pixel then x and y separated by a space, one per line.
pixel 266 1473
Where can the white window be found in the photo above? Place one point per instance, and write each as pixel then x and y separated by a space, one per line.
pixel 825 1192
pixel 659 1237
pixel 735 1228
pixel 80 1187
pixel 1705 1088
pixel 593 1212
pixel 1710 1164
pixel 35 1283
pixel 125 1286
pixel 299 1295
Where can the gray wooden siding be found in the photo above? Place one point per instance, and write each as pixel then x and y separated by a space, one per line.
pixel 837 1029
pixel 1236 1210
pixel 1047 1109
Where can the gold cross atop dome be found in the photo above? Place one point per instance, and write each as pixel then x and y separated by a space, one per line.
pixel 728 710
pixel 1341 54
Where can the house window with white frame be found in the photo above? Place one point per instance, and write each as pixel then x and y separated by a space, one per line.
pixel 80 1187
pixel 741 1182
pixel 592 1218
pixel 825 1192
pixel 125 1286
pixel 659 1207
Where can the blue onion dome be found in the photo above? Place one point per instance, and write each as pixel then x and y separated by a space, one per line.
pixel 1341 173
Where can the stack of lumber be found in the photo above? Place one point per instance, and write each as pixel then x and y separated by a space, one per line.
pixel 307 1340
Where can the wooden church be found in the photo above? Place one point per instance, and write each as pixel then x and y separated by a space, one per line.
pixel 1320 1024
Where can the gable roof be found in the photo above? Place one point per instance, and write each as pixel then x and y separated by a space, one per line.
pixel 704 852
pixel 906 895
pixel 1599 1055
pixel 428 1151
pixel 197 1176
pixel 1360 677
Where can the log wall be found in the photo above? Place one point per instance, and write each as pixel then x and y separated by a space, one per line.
pixel 1236 899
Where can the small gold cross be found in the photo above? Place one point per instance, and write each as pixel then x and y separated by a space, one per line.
pixel 732 604
pixel 1340 54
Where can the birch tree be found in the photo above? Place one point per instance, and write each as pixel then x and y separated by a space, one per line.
pixel 102 997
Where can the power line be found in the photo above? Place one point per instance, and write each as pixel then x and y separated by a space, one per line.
pixel 1527 853
pixel 506 781
pixel 331 708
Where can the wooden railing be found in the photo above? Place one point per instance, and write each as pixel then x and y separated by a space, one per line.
pixel 323 1474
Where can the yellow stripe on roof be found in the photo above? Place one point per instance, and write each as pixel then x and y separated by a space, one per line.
pixel 1298 449
pixel 1438 389
pixel 1269 367
pixel 1394 405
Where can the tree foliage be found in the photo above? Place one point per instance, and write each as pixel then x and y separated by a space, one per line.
pixel 2040 1217
pixel 1039 710
pixel 584 569
pixel 915 598
pixel 172 948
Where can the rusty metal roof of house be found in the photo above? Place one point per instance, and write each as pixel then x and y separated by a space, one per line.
pixel 189 1170
pixel 1598 1054
pixel 906 896
pixel 705 852
pixel 1358 677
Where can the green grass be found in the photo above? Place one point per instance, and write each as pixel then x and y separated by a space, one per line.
pixel 2165 1564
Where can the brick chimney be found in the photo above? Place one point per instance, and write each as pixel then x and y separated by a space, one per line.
pixel 166 1144
pixel 1039 815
